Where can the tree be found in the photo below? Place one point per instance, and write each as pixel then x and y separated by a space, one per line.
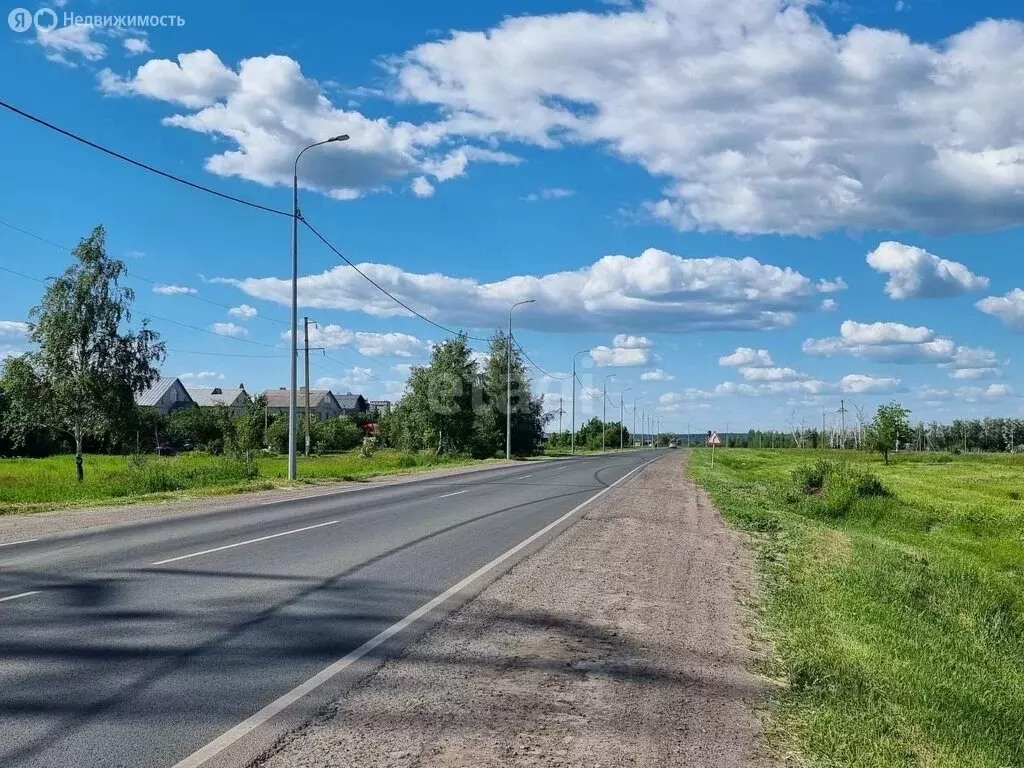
pixel 528 417
pixel 889 427
pixel 87 367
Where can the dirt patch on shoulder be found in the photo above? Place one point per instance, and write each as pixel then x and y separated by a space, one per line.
pixel 618 644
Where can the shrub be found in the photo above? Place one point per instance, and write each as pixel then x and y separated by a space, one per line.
pixel 830 489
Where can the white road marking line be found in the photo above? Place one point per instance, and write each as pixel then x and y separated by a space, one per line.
pixel 526 476
pixel 453 494
pixel 227 739
pixel 242 543
pixel 23 541
pixel 18 597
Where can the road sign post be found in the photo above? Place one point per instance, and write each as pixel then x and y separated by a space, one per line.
pixel 713 440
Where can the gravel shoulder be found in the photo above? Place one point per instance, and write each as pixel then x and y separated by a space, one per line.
pixel 18 527
pixel 619 643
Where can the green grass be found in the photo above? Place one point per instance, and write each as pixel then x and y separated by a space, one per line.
pixel 33 485
pixel 896 622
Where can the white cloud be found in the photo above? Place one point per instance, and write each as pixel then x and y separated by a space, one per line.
pixel 898 343
pixel 421 187
pixel 1008 308
pixel 167 289
pixel 656 375
pixel 858 384
pixel 625 341
pixel 772 374
pixel 914 273
pixel 832 286
pixel 13 329
pixel 403 369
pixel 991 392
pixel 655 291
pixel 975 373
pixel 828 305
pixel 790 127
pixel 134 46
pixel 367 343
pixel 64 44
pixel 229 329
pixel 746 357
pixel 202 376
pixel 552 193
pixel 243 311
pixel 619 357
pixel 267 111
pixel 354 378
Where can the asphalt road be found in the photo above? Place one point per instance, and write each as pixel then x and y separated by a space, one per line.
pixel 139 645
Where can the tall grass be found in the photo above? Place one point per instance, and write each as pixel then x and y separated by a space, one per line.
pixel 893 599
pixel 28 485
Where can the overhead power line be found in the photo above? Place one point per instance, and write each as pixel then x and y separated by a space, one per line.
pixel 587 391
pixel 381 288
pixel 530 361
pixel 140 164
pixel 132 273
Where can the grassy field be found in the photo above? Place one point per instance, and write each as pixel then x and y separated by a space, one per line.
pixel 32 485
pixel 896 620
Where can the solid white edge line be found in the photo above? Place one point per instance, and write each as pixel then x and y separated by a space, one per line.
pixel 242 543
pixel 230 737
pixel 16 597
pixel 13 543
pixel 453 494
pixel 526 476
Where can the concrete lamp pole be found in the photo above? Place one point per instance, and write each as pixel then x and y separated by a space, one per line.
pixel 622 418
pixel 293 403
pixel 574 358
pixel 604 409
pixel 508 388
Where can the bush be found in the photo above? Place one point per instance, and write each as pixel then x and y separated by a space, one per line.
pixel 831 489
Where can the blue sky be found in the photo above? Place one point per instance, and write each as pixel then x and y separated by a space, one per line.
pixel 691 188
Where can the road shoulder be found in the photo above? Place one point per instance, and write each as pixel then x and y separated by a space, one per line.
pixel 618 643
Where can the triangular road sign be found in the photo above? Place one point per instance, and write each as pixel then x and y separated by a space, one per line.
pixel 714 439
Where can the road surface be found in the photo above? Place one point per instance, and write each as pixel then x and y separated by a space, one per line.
pixel 142 645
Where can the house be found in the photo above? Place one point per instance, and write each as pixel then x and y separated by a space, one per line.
pixel 380 407
pixel 351 404
pixel 322 403
pixel 166 395
pixel 236 400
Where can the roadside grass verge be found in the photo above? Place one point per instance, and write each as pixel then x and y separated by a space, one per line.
pixel 34 485
pixel 893 601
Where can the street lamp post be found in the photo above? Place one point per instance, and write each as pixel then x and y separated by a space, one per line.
pixel 293 402
pixel 635 404
pixel 508 388
pixel 604 409
pixel 622 419
pixel 574 357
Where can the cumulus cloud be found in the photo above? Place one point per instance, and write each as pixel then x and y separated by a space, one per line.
pixel 168 289
pixel 771 374
pixel 746 357
pixel 421 187
pixel 853 383
pixel 828 305
pixel 898 343
pixel 1008 308
pixel 619 357
pixel 135 46
pixel 656 375
pixel 267 110
pixel 625 341
pixel 229 329
pixel 975 373
pixel 243 312
pixel 200 376
pixel 977 394
pixel 858 384
pixel 367 343
pixel 653 292
pixel 790 127
pixel 914 273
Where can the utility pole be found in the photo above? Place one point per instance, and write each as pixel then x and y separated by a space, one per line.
pixel 622 423
pixel 508 383
pixel 823 429
pixel 727 434
pixel 560 412
pixel 305 328
pixel 573 405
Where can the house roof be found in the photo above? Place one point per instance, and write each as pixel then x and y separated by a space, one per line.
pixel 152 395
pixel 207 396
pixel 349 401
pixel 279 398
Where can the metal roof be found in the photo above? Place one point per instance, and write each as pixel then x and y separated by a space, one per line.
pixel 350 402
pixel 279 398
pixel 207 396
pixel 152 395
